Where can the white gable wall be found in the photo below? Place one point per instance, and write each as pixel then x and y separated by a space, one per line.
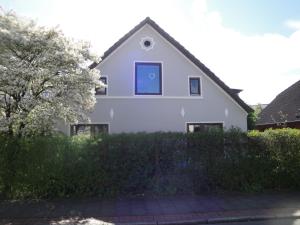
pixel 126 112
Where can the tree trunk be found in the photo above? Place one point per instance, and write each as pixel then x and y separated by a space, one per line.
pixel 21 127
pixel 10 131
pixel 9 153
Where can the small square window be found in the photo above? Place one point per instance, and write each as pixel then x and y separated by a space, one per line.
pixel 195 88
pixel 148 79
pixel 102 90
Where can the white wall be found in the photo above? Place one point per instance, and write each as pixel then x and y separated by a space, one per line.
pixel 126 112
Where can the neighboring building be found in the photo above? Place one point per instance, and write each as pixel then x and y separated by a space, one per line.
pixel 259 106
pixel 155 84
pixel 283 111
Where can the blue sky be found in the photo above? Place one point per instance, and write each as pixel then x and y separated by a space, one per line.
pixel 247 16
pixel 253 45
pixel 257 16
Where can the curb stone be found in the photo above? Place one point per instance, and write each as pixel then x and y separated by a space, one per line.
pixel 139 223
pixel 227 220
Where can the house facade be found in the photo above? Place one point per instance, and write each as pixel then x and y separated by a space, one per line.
pixel 155 84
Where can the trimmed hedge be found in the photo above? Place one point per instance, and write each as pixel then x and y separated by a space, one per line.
pixel 156 163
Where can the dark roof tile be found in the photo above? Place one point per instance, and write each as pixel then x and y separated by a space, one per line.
pixel 286 106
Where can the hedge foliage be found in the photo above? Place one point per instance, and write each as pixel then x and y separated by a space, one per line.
pixel 157 163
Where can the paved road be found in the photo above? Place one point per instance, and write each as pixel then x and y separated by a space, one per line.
pixel 152 209
pixel 98 222
pixel 267 222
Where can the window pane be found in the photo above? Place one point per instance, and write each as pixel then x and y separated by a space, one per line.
pixel 83 129
pixel 211 127
pixel 203 127
pixel 100 128
pixel 102 90
pixel 148 78
pixel 195 86
pixel 89 129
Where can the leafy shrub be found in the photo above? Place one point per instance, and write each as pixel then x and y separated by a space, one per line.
pixel 156 163
pixel 205 152
pixel 282 153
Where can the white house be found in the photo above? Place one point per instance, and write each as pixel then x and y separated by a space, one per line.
pixel 155 84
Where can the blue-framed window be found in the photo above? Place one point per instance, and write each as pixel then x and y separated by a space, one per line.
pixel 148 78
pixel 195 87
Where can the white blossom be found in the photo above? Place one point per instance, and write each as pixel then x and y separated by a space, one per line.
pixel 43 77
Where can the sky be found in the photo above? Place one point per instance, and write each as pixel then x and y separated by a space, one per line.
pixel 252 45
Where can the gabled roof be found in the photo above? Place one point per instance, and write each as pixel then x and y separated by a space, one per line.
pixel 231 92
pixel 286 106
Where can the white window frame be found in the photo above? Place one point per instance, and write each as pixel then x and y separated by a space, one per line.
pixel 100 123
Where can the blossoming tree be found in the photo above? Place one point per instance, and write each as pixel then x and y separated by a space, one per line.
pixel 44 77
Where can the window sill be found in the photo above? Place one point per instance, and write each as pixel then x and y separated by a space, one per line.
pixel 149 97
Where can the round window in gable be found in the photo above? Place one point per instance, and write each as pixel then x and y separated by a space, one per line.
pixel 147 43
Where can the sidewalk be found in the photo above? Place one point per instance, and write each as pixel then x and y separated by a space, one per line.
pixel 158 210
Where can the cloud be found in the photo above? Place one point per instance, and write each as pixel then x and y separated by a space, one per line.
pixel 293 24
pixel 262 65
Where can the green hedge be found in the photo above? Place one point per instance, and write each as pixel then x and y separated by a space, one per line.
pixel 157 163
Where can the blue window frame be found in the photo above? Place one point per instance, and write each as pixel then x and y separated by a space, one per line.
pixel 148 78
pixel 195 88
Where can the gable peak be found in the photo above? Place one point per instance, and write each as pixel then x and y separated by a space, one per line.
pixel 233 93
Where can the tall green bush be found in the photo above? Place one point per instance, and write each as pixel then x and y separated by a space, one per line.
pixel 206 150
pixel 156 163
pixel 282 152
